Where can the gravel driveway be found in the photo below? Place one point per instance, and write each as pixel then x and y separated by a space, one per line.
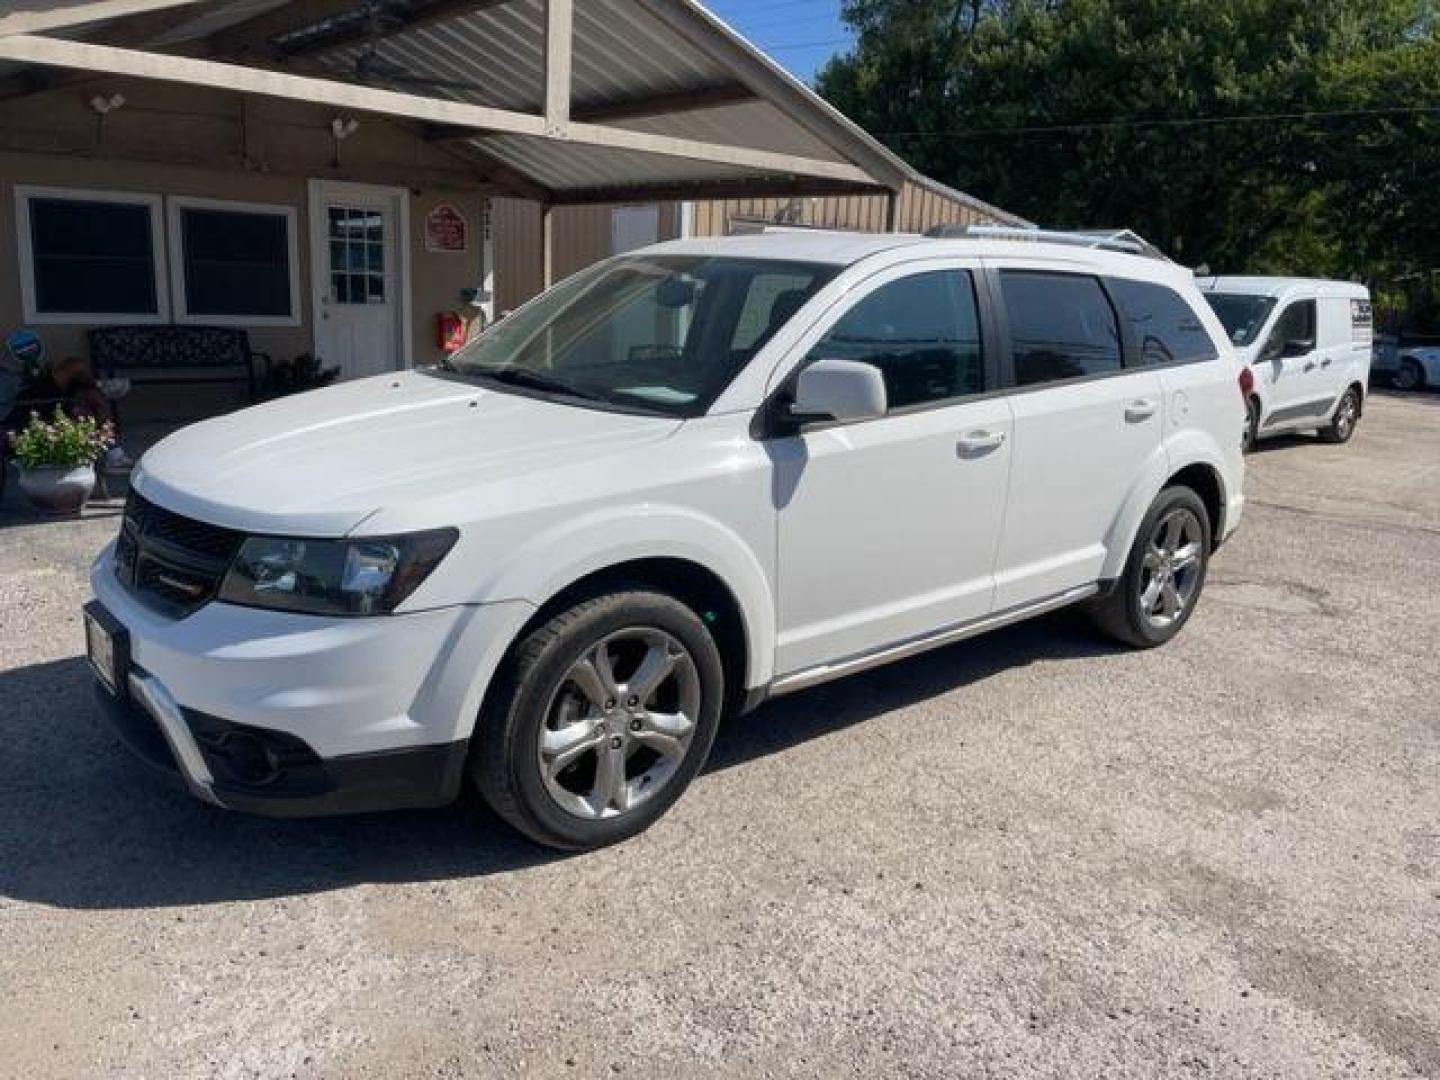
pixel 1027 855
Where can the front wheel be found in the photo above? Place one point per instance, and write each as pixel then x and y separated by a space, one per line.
pixel 1342 424
pixel 1163 575
pixel 600 720
pixel 1252 425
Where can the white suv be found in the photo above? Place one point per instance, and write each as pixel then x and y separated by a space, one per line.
pixel 684 480
pixel 1308 346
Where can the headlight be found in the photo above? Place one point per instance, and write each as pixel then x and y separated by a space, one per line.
pixel 369 576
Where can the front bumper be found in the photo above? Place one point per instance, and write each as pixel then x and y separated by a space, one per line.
pixel 287 714
pixel 261 772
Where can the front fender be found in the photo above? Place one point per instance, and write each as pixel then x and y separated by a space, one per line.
pixel 573 549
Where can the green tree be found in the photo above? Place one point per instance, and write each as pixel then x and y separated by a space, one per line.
pixel 1296 136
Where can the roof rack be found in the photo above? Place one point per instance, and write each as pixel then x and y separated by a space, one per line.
pixel 1125 240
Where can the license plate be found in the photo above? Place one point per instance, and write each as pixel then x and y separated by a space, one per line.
pixel 105 647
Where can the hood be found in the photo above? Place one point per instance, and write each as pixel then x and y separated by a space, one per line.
pixel 320 463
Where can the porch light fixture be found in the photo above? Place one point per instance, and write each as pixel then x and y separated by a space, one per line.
pixel 342 129
pixel 106 105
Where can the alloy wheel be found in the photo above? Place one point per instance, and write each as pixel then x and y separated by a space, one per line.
pixel 620 723
pixel 1345 417
pixel 1170 570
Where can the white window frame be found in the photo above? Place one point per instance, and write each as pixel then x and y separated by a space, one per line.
pixel 155 203
pixel 175 204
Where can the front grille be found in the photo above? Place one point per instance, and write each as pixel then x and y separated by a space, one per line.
pixel 174 563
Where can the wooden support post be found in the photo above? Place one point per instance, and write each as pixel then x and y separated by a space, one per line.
pixel 892 210
pixel 547 245
pixel 559 49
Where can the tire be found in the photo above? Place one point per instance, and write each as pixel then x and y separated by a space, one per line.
pixel 1410 376
pixel 1252 425
pixel 1131 613
pixel 1342 422
pixel 600 775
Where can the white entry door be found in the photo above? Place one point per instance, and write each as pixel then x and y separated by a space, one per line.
pixel 360 279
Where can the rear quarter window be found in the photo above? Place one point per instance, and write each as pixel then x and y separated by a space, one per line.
pixel 1163 325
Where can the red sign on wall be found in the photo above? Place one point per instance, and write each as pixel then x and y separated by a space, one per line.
pixel 446 230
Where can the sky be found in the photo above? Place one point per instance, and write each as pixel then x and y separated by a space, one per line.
pixel 801 34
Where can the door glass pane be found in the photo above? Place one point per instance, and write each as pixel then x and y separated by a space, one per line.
pixel 1296 323
pixel 93 257
pixel 922 332
pixel 1061 326
pixel 357 255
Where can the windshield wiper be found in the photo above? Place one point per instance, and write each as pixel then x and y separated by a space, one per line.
pixel 533 380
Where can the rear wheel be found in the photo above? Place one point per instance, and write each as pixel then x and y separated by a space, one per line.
pixel 1163 575
pixel 1411 375
pixel 605 714
pixel 1342 424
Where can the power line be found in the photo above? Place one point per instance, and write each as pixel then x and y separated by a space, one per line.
pixel 807 44
pixel 1192 121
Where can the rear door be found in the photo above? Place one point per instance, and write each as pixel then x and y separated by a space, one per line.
pixel 1085 428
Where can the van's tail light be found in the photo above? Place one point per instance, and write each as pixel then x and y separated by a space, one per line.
pixel 1247 382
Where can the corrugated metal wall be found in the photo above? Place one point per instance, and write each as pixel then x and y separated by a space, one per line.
pixel 920 208
pixel 582 233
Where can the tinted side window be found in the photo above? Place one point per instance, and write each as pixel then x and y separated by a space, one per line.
pixel 1296 323
pixel 922 332
pixel 1166 328
pixel 1061 326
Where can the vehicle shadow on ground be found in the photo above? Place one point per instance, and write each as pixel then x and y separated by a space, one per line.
pixel 83 826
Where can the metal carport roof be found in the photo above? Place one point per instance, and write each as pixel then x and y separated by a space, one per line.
pixel 563 101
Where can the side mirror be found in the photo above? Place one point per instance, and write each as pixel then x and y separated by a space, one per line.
pixel 846 390
pixel 1297 347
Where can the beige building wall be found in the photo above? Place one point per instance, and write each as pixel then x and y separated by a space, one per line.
pixel 169 141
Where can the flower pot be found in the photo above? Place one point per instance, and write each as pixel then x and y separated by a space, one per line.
pixel 57 489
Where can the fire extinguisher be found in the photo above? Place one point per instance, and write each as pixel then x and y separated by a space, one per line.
pixel 451 331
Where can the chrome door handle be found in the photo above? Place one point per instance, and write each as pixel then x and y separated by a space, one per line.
pixel 980 442
pixel 1139 409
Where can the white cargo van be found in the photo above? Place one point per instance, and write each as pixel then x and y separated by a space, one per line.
pixel 1308 344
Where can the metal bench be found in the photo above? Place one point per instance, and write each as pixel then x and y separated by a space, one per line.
pixel 176 355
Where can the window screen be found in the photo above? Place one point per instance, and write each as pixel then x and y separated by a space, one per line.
pixel 92 258
pixel 1165 328
pixel 922 332
pixel 1061 326
pixel 236 263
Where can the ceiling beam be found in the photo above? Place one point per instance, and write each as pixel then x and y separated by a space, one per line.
pixel 257 35
pixel 56 14
pixel 223 76
pixel 680 101
pixel 712 189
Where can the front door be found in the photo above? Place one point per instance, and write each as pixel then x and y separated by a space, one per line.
pixel 359 277
pixel 1288 368
pixel 887 528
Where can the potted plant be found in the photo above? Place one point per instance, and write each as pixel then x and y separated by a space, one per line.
pixel 57 460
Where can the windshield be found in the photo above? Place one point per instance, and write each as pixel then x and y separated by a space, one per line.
pixel 1243 315
pixel 659 334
